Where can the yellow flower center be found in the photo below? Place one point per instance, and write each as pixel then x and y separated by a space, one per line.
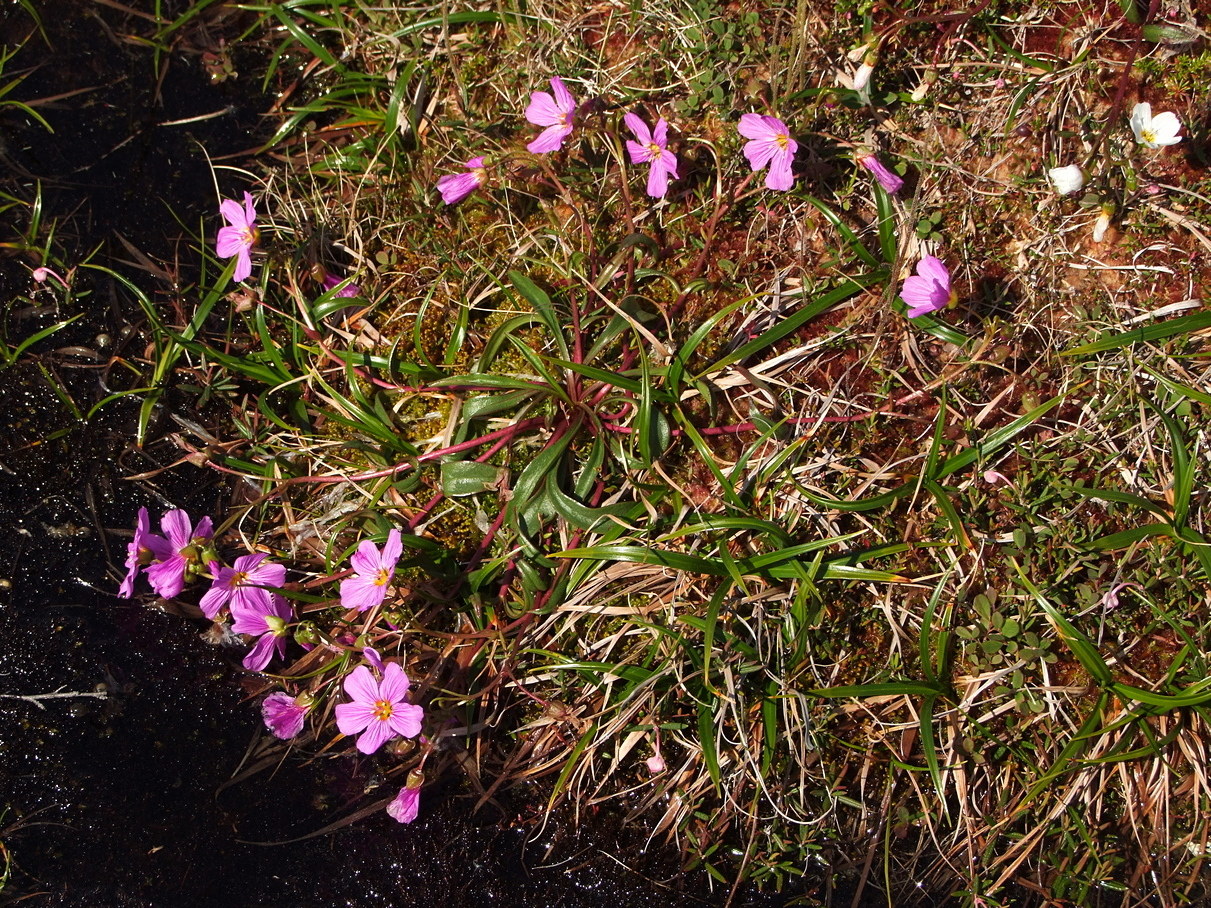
pixel 249 236
pixel 783 140
pixel 654 150
pixel 1149 136
pixel 383 577
pixel 239 578
pixel 383 710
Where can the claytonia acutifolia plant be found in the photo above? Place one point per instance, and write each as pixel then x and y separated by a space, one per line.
pixel 455 187
pixel 266 619
pixel 886 178
pixel 372 572
pixel 555 112
pixel 284 714
pixel 242 584
pixel 406 806
pixel 1066 180
pixel 1153 132
pixel 652 147
pixel 378 711
pixel 929 289
pixel 183 554
pixel 145 548
pixel 239 236
pixel 771 145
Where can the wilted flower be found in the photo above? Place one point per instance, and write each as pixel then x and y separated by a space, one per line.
pixel 652 147
pixel 331 280
pixel 266 619
pixel 372 572
pixel 886 178
pixel 242 584
pixel 42 274
pixel 771 144
pixel 1153 132
pixel 455 187
pixel 239 236
pixel 1102 224
pixel 1066 180
pixel 378 711
pixel 929 289
pixel 555 113
pixel 655 764
pixel 406 806
pixel 284 714
pixel 183 552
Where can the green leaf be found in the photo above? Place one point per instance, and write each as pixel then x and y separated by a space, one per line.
pixel 467 477
pixel 1185 324
pixel 543 306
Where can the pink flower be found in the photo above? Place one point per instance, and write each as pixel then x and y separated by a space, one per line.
pixel 406 805
pixel 886 178
pixel 771 144
pixel 555 113
pixel 267 619
pixel 239 236
pixel 652 147
pixel 378 711
pixel 284 714
pixel 331 280
pixel 929 289
pixel 241 585
pixel 182 553
pixel 144 548
pixel 455 187
pixel 372 572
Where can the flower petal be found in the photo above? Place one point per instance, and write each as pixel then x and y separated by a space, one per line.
pixel 234 213
pixel 660 135
pixel 375 736
pixel 352 718
pixel 642 134
pixel 392 549
pixel 780 176
pixel 755 126
pixel 932 268
pixel 543 111
pixel 395 684
pixel 639 153
pixel 261 653
pixel 406 719
pixel 563 97
pixel 361 686
pixel 658 180
pixel 550 139
pixel 177 528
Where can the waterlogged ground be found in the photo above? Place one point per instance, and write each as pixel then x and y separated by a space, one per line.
pixel 112 789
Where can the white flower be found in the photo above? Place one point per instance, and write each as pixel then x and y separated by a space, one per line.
pixel 1066 180
pixel 1153 132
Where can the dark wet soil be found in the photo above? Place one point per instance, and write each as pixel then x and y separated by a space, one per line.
pixel 115 800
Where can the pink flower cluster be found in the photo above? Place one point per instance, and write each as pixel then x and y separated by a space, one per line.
pixel 169 560
pixel 178 557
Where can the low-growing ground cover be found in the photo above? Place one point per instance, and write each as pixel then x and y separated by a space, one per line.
pixel 786 427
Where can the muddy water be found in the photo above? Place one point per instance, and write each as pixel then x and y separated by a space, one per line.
pixel 112 789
